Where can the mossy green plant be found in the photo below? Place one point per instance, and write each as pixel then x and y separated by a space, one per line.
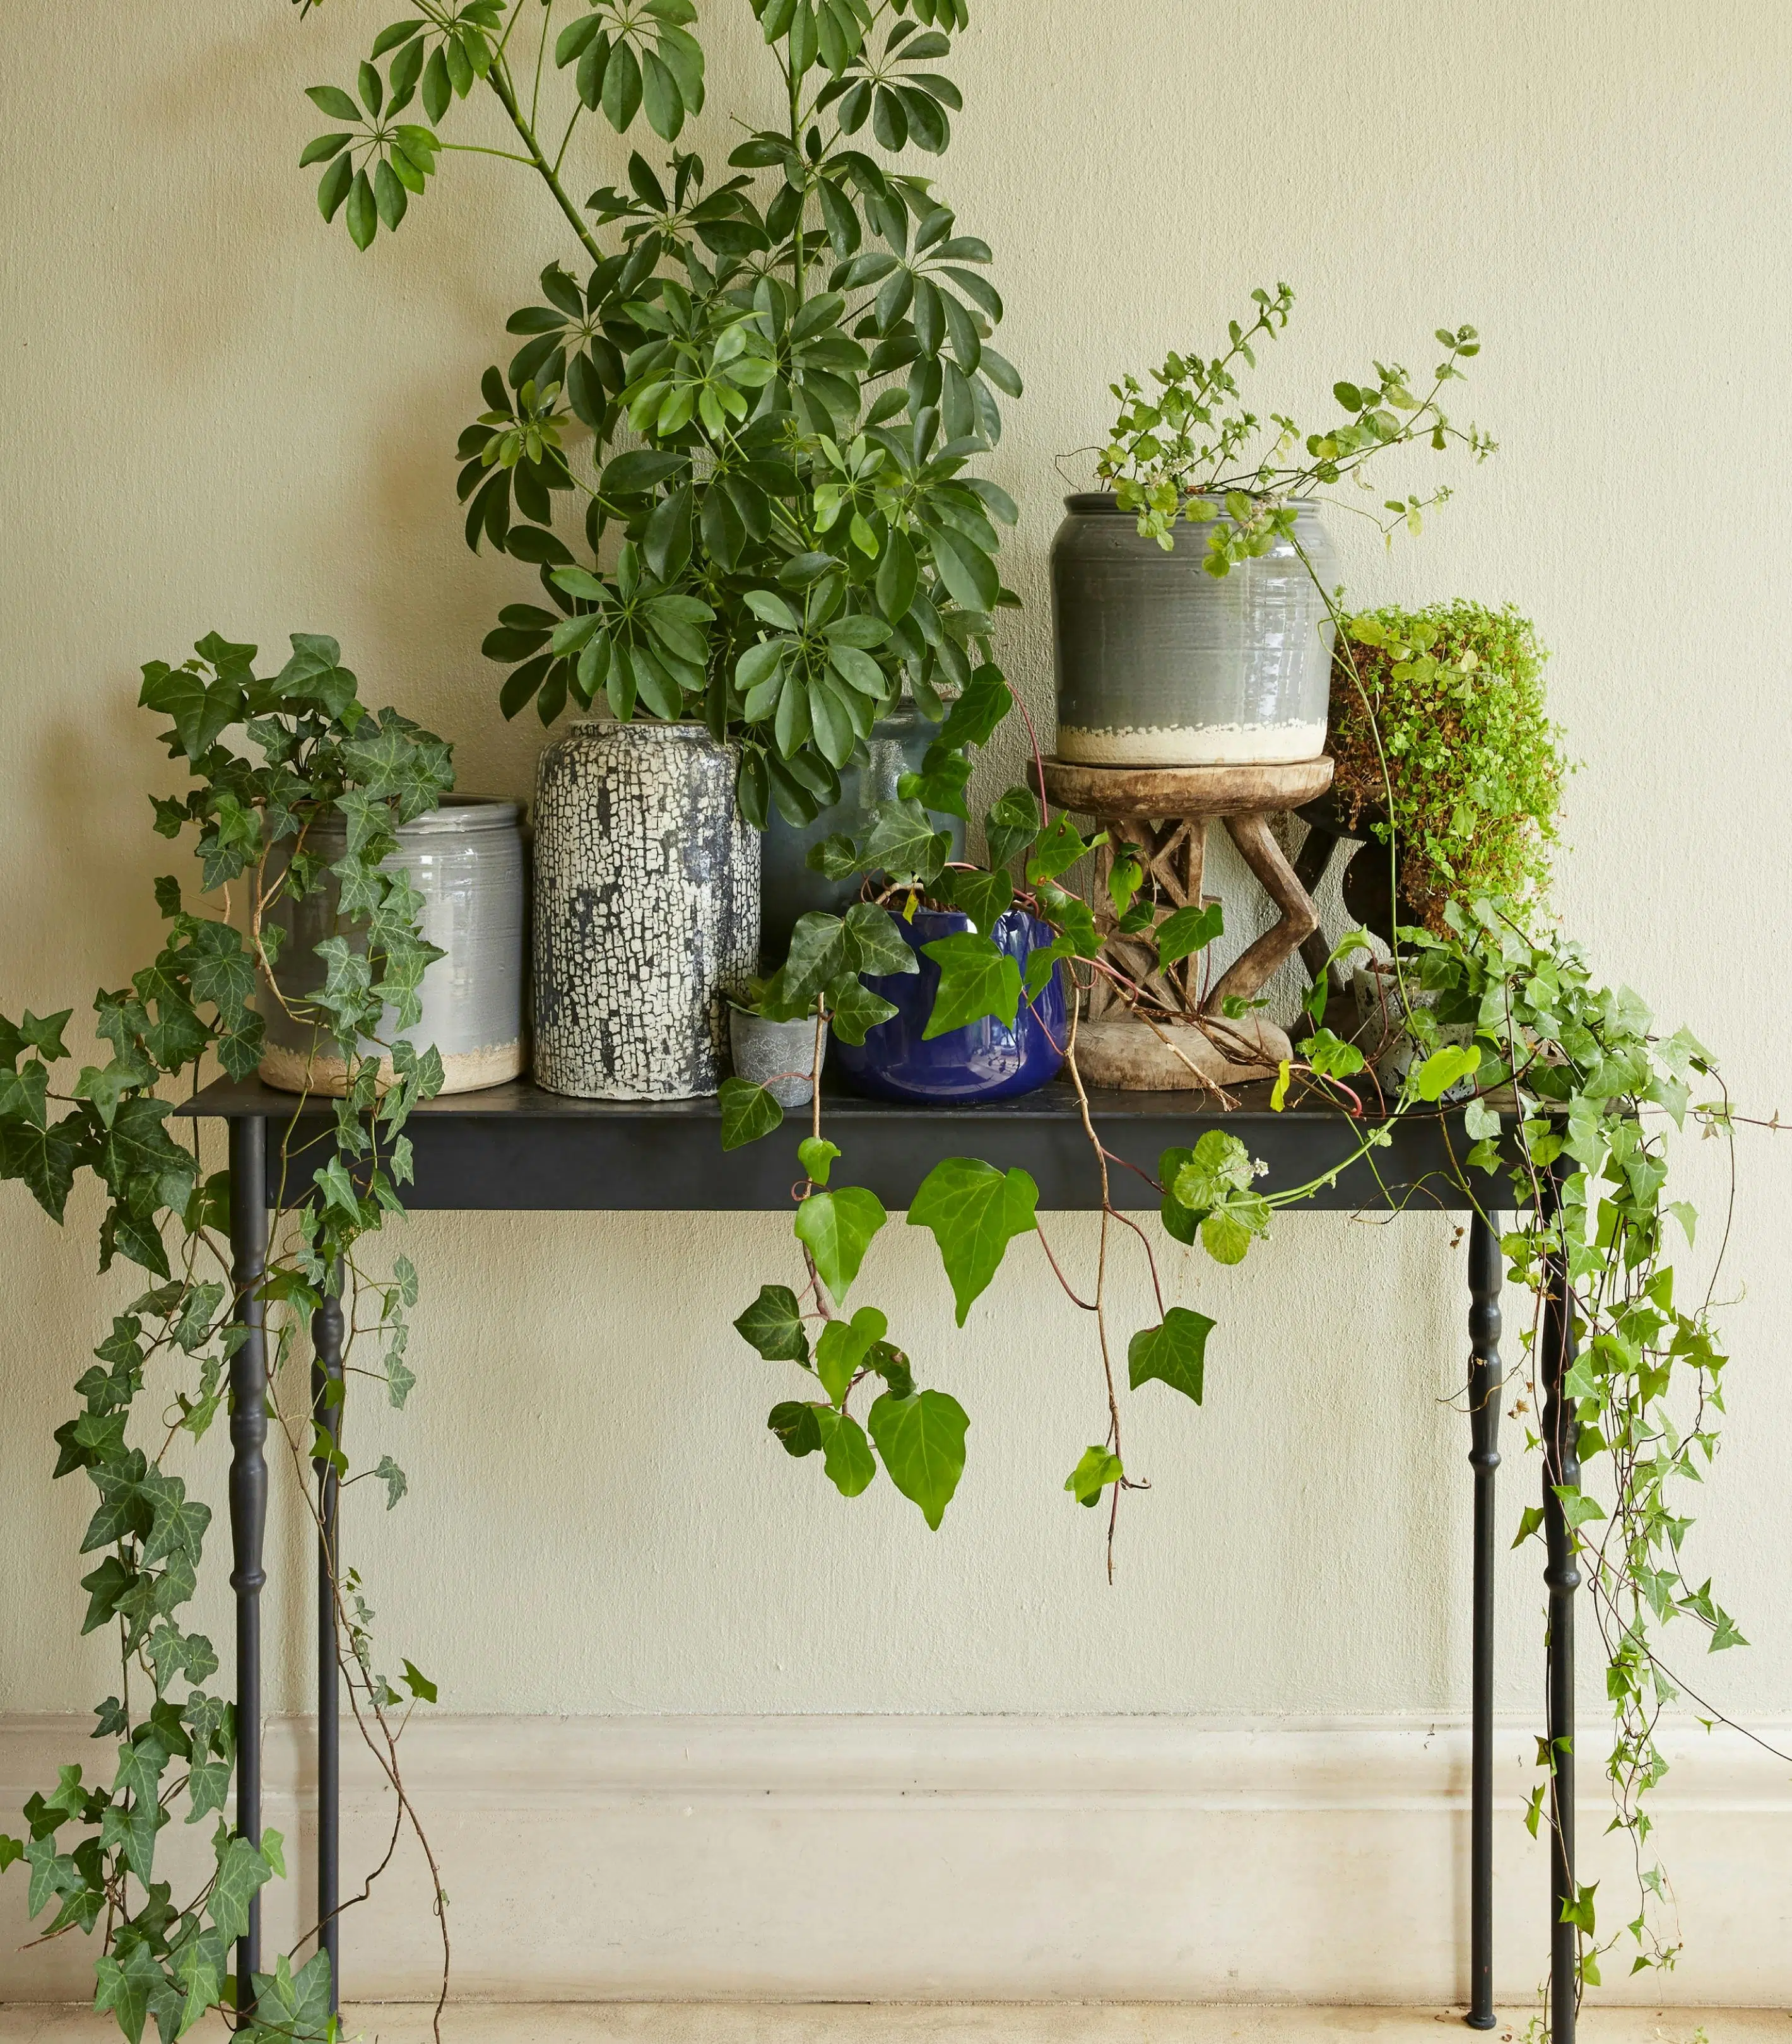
pixel 1439 728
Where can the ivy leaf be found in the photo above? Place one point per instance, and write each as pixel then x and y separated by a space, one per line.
pixel 873 943
pixel 975 1212
pixel 1059 849
pixel 985 897
pixel 43 1158
pixel 1218 1166
pixel 846 1454
pixel 1176 1352
pixel 817 1155
pixel 1097 1469
pixel 748 1111
pixel 242 1872
pixel 10 1849
pixel 855 1011
pixel 836 1229
pixel 773 1324
pixel 1445 1068
pixel 200 711
pixel 921 1440
pixel 1187 930
pixel 841 1349
pixel 977 981
pixel 1011 825
pixel 419 1684
pixel 394 1479
pixel 797 1425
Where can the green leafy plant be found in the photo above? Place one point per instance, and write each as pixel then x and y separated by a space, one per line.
pixel 1440 735
pixel 1189 450
pixel 800 355
pixel 268 757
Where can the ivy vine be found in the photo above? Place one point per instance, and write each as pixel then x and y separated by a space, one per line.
pixel 267 758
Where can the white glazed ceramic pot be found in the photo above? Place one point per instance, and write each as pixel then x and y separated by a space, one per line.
pixel 647 910
pixel 1386 1042
pixel 465 858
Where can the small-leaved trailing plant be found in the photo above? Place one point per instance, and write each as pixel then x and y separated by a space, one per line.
pixel 268 757
pixel 799 356
pixel 1188 450
pixel 1441 712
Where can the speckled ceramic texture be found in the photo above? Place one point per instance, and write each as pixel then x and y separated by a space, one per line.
pixel 465 859
pixel 647 910
pixel 1161 664
pixel 896 746
pixel 780 1056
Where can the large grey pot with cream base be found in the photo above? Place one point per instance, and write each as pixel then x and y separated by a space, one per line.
pixel 1161 664
pixel 465 859
pixel 647 910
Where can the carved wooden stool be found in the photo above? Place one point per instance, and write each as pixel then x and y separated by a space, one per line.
pixel 1162 1034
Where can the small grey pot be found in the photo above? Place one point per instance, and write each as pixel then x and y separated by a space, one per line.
pixel 465 859
pixel 780 1056
pixel 647 910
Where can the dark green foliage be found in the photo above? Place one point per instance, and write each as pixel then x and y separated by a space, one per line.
pixel 302 746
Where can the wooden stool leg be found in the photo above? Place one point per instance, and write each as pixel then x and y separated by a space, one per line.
pixel 1299 918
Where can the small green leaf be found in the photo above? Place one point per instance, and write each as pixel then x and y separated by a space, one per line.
pixel 1175 1353
pixel 836 1229
pixel 419 1684
pixel 816 1155
pixel 841 1352
pixel 1444 1068
pixel 846 1454
pixel 1098 1468
pixel 975 1212
pixel 773 1324
pixel 921 1440
pixel 977 981
pixel 797 1425
pixel 748 1111
pixel 1188 930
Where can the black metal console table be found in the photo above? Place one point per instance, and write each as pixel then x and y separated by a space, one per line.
pixel 515 1148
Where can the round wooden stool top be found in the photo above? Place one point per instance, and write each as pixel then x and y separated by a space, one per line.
pixel 1250 788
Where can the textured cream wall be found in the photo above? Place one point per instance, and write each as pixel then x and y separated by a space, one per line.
pixel 220 414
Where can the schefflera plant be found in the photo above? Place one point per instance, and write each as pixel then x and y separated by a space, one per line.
pixel 798 355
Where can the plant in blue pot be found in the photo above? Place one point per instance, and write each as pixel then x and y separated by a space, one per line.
pixel 923 1052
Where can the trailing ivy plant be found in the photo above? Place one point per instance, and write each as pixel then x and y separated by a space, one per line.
pixel 268 757
pixel 1440 712
pixel 799 355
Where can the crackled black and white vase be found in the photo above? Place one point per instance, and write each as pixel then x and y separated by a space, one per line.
pixel 647 910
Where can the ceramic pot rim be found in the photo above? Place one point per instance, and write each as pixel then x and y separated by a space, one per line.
pixel 456 816
pixel 1103 503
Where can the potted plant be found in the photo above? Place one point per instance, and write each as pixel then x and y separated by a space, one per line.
pixel 799 356
pixel 1169 658
pixel 782 1052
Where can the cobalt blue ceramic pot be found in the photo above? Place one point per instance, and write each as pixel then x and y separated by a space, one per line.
pixel 984 1061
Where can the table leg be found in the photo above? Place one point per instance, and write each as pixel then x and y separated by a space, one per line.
pixel 1484 1380
pixel 248 1498
pixel 326 1406
pixel 1561 1464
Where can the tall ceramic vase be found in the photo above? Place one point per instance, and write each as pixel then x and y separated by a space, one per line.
pixel 1161 664
pixel 647 910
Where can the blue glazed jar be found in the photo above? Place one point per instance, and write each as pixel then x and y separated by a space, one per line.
pixel 985 1061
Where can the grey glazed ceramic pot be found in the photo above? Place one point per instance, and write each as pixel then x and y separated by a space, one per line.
pixel 647 910
pixel 1161 664
pixel 465 859
pixel 897 744
pixel 780 1056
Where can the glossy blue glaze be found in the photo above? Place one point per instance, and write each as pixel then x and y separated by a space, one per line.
pixel 984 1061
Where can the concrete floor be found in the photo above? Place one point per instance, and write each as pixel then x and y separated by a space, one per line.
pixel 1057 2023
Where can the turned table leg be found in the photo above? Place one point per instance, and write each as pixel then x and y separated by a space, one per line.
pixel 248 1498
pixel 326 1406
pixel 1484 1379
pixel 1561 1464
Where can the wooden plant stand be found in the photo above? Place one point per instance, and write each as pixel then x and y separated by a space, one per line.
pixel 1166 1036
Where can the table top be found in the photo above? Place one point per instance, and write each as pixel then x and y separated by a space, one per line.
pixel 516 1147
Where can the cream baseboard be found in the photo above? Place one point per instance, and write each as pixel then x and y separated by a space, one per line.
pixel 994 1858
